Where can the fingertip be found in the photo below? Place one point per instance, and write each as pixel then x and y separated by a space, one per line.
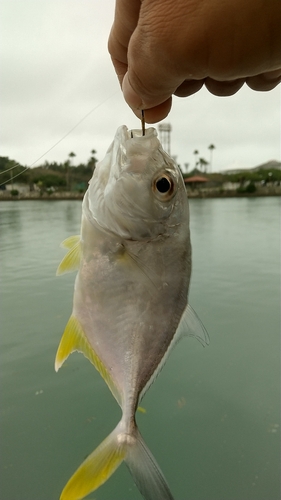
pixel 152 114
pixel 158 113
pixel 224 88
pixel 130 96
pixel 264 82
pixel 189 87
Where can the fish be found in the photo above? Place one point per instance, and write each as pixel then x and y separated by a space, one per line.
pixel 130 303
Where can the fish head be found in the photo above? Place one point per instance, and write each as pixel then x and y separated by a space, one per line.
pixel 137 191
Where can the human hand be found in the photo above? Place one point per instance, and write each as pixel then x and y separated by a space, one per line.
pixel 165 47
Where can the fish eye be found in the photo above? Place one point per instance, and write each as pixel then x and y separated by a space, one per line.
pixel 163 186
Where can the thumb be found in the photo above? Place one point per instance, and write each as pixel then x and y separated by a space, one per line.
pixel 150 79
pixel 153 113
pixel 137 101
pixel 144 92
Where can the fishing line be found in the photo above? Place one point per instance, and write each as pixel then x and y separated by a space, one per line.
pixel 14 176
pixel 58 142
pixel 8 169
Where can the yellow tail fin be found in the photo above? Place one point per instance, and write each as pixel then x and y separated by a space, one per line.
pixel 97 468
pixel 120 445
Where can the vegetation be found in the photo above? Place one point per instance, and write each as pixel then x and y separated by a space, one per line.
pixel 249 188
pixel 263 176
pixel 9 169
pixel 53 176
pixel 211 148
pixel 58 176
pixel 200 162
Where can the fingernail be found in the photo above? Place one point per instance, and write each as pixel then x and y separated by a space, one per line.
pixel 131 97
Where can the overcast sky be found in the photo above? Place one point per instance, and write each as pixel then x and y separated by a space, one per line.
pixel 55 69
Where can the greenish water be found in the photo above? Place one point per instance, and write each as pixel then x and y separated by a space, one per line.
pixel 212 417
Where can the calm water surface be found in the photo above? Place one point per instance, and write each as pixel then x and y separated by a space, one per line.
pixel 212 417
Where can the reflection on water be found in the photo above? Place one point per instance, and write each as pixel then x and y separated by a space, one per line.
pixel 212 417
pixel 70 216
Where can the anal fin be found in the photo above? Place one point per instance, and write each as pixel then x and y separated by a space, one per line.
pixel 74 339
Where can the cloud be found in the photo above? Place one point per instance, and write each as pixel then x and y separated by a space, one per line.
pixel 55 69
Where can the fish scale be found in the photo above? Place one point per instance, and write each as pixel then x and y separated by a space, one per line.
pixel 130 303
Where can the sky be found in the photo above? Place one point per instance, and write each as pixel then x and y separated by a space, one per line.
pixel 56 75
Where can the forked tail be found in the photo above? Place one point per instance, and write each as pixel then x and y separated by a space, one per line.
pixel 101 464
pixel 146 472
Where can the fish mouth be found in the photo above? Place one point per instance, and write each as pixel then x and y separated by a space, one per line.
pixel 135 136
pixel 136 133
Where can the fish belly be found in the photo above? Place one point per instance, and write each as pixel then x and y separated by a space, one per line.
pixel 129 298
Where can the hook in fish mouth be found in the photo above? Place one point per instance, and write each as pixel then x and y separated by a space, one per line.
pixel 142 122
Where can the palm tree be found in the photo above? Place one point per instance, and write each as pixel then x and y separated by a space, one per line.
pixel 71 156
pixel 68 164
pixel 211 148
pixel 92 160
pixel 203 164
pixel 196 153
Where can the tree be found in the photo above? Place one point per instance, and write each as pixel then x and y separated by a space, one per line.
pixel 10 169
pixel 211 148
pixel 71 155
pixel 196 153
pixel 92 160
pixel 203 164
pixel 69 164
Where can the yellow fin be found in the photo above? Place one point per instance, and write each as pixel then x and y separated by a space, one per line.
pixel 96 469
pixel 70 242
pixel 141 409
pixel 74 339
pixel 71 260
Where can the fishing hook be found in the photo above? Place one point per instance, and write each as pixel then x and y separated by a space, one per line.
pixel 142 122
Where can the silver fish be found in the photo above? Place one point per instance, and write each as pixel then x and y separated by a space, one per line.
pixel 130 299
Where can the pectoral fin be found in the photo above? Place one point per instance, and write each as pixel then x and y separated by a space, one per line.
pixel 191 326
pixel 71 260
pixel 141 271
pixel 74 339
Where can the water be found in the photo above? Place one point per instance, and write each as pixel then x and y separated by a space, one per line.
pixel 212 417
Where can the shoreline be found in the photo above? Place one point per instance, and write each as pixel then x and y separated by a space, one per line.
pixel 196 194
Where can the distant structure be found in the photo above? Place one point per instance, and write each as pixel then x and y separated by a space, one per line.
pixel 269 165
pixel 165 136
